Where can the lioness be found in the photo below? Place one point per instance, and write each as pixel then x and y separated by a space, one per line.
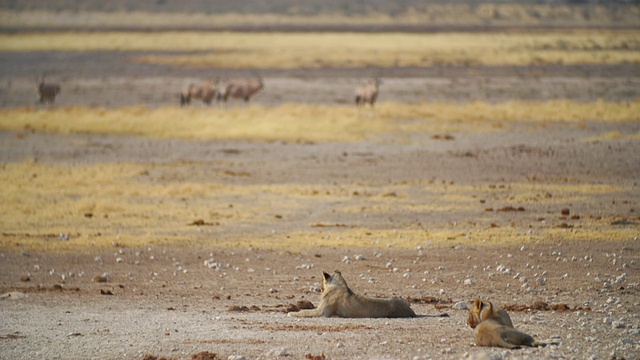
pixel 339 300
pixel 493 327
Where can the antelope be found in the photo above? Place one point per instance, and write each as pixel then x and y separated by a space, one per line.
pixel 367 93
pixel 47 92
pixel 204 91
pixel 239 89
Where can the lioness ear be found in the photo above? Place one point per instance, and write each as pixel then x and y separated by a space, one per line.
pixel 477 304
pixel 490 306
pixel 327 277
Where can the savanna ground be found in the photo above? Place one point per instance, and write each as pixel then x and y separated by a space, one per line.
pixel 496 165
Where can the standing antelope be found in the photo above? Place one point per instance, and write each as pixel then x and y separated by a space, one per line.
pixel 367 93
pixel 239 89
pixel 205 91
pixel 47 92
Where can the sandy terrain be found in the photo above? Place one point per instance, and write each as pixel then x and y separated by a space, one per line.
pixel 176 300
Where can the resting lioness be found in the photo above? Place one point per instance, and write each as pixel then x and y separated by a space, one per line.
pixel 493 327
pixel 339 300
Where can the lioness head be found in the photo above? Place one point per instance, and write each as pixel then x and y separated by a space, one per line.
pixel 481 311
pixel 332 280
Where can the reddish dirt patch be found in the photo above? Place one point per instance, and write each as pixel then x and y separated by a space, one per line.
pixel 543 306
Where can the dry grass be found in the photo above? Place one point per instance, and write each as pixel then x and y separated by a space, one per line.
pixel 315 123
pixel 135 205
pixel 433 14
pixel 316 50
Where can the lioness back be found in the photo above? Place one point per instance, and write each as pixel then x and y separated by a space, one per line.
pixel 362 306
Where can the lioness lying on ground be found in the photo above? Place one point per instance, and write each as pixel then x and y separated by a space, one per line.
pixel 339 300
pixel 493 327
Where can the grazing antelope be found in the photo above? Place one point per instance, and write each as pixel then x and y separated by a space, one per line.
pixel 367 93
pixel 204 91
pixel 239 89
pixel 47 92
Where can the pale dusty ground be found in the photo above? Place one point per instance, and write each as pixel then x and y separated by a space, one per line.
pixel 163 300
pixel 166 302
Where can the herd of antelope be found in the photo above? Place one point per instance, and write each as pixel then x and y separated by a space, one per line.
pixel 221 90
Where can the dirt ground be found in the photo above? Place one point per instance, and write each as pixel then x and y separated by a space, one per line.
pixel 174 300
pixel 111 79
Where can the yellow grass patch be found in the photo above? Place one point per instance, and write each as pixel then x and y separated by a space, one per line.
pixel 319 50
pixel 615 135
pixel 68 207
pixel 317 123
pixel 432 14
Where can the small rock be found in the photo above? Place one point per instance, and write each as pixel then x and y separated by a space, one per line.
pixel 236 357
pixel 537 318
pixel 621 278
pixel 484 356
pixel 468 282
pixel 278 352
pixel 14 295
pixel 461 305
pixel 100 279
pixel 618 325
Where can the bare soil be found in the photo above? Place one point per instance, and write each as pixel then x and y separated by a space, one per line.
pixel 176 301
pixel 116 79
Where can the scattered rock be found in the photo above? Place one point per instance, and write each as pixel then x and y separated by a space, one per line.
pixel 315 357
pixel 14 295
pixel 204 355
pixel 236 357
pixel 510 208
pixel 13 336
pixel 278 352
pixel 100 279
pixel 461 305
pixel 243 308
pixel 154 357
pixel 447 137
pixel 305 305
pixel 301 305
pixel 201 222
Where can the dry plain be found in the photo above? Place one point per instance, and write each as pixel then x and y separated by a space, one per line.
pixel 133 227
